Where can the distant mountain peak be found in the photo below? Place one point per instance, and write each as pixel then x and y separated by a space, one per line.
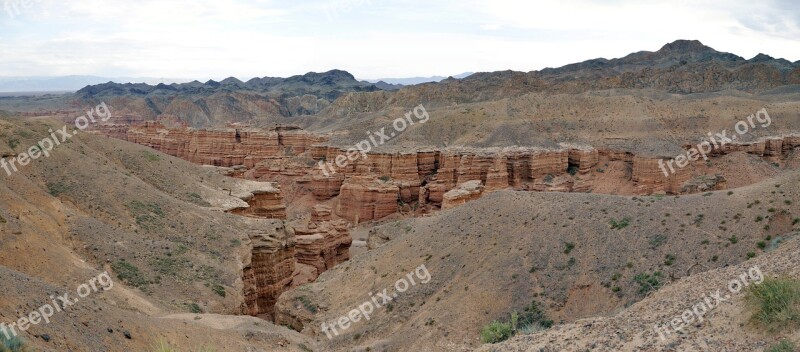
pixel 684 46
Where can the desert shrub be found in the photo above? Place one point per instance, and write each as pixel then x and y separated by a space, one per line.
pixel 151 156
pixel 13 344
pixel 783 346
pixel 197 199
pixel 657 241
pixel 384 178
pixel 669 260
pixel 648 283
pixel 573 170
pixel 3 220
pixel 147 215
pixel 569 246
pixel 621 224
pixel 310 306
pixel 194 308
pixel 13 143
pixel 776 304
pixel 496 332
pixel 56 188
pixel 532 319
pixel 129 273
pixel 218 289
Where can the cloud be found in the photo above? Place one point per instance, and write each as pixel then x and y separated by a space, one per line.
pixel 390 38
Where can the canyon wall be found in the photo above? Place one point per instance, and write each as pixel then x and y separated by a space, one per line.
pixel 373 187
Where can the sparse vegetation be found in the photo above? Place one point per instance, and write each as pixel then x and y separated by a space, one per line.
pixel 657 241
pixel 151 156
pixel 197 199
pixel 530 320
pixel 194 308
pixel 129 273
pixel 310 306
pixel 12 143
pixel 734 239
pixel 13 344
pixel 621 224
pixel 783 346
pixel 147 215
pixel 648 283
pixel 669 260
pixel 219 290
pixel 569 246
pixel 56 188
pixel 384 178
pixel 496 332
pixel 776 304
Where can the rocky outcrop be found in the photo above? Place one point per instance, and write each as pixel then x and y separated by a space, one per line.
pixel 465 192
pixel 264 200
pixel 267 271
pixel 363 198
pixel 323 243
pixel 222 147
pixel 326 187
pixel 648 174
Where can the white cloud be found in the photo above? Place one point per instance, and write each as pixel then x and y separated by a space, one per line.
pixel 394 38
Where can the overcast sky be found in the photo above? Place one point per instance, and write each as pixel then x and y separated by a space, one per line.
pixel 202 39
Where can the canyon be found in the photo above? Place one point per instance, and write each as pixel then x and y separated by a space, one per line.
pixel 384 183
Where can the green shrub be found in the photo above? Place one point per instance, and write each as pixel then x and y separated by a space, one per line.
pixel 56 188
pixel 129 273
pixel 384 178
pixel 310 306
pixel 657 241
pixel 669 260
pixel 619 224
pixel 496 332
pixel 147 215
pixel 776 303
pixel 218 289
pixel 194 308
pixel 13 143
pixel 13 344
pixel 783 346
pixel 151 156
pixel 648 283
pixel 569 246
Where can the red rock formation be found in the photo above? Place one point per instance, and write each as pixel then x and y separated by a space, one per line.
pixel 264 202
pixel 465 192
pixel 549 162
pixel 497 176
pixel 267 271
pixel 362 198
pixel 650 178
pixel 326 187
pixel 323 243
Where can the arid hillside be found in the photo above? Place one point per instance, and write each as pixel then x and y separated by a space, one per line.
pixel 575 255
pixel 156 224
